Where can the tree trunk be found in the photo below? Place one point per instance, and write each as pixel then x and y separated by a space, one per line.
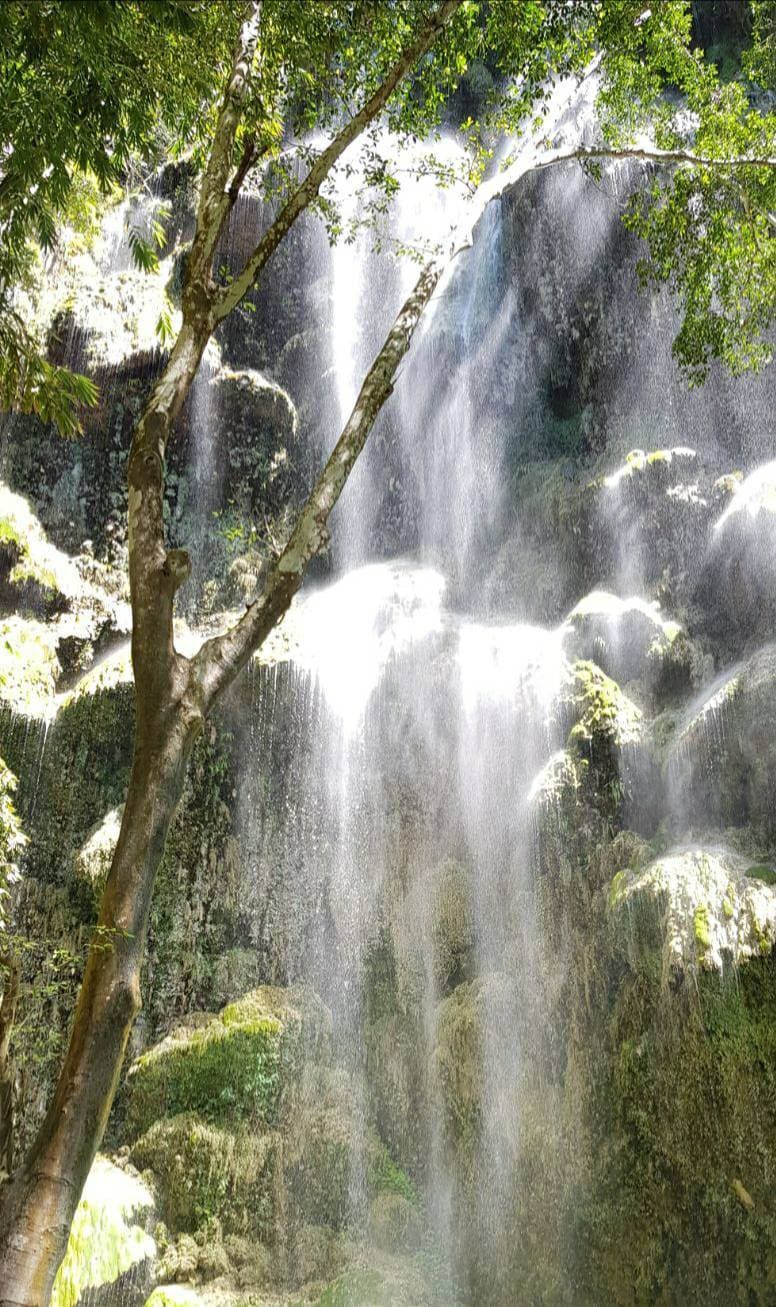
pixel 172 694
pixel 7 1016
pixel 40 1202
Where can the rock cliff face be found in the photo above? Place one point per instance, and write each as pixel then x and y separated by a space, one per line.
pixel 466 993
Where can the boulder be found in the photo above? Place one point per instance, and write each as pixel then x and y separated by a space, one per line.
pixel 631 640
pixel 722 758
pixel 110 1253
pixel 474 1030
pixel 203 1171
pixel 711 907
pixel 736 585
pixel 236 1065
pixel 93 859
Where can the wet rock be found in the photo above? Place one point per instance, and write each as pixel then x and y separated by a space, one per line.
pixel 632 641
pixel 316 1255
pixel 323 1152
pixel 723 754
pixel 110 1253
pixel 35 578
pixel 395 1223
pixel 736 586
pixel 202 1170
pixel 474 1027
pixel 92 862
pixel 236 1064
pixel 713 908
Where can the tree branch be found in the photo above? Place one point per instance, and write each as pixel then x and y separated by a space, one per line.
pixel 309 188
pixel 220 659
pixel 216 199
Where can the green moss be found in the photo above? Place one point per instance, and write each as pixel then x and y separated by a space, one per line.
pixel 233 1066
pixel 616 888
pixel 206 1172
pixel 357 1288
pixel 327 1148
pixel 12 839
pixel 386 1177
pixel 605 712
pixel 766 874
pixel 105 1239
pixel 12 541
pixel 28 666
pixel 727 908
pixel 702 927
pixel 29 573
pixel 219 1071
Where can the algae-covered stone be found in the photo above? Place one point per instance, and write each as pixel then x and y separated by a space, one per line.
pixel 631 640
pixel 12 840
pixel 606 717
pixel 607 742
pixel 714 908
pixel 108 1238
pixel 305 1019
pixel 378 1279
pixel 327 1149
pixel 233 1065
pixel 316 1254
pixel 395 1223
pixel 29 668
pixel 35 577
pixel 736 585
pixel 452 923
pixel 620 635
pixel 204 1171
pixel 474 1027
pixel 722 760
pixel 92 862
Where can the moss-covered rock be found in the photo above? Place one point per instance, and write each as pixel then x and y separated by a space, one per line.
pixel 606 718
pixel 204 1171
pixel 376 1278
pixel 395 1224
pixel 722 758
pixel 736 583
pixel 475 1025
pixel 328 1150
pixel 35 577
pixel 630 640
pixel 29 668
pixel 317 1254
pixel 711 906
pixel 452 924
pixel 109 1240
pixel 620 635
pixel 610 765
pixel 92 862
pixel 393 1034
pixel 227 1066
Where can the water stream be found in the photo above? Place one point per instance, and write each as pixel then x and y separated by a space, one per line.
pixel 392 750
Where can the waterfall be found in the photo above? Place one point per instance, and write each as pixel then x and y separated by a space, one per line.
pixel 498 783
pixel 386 799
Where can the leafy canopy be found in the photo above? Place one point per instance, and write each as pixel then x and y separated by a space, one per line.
pixel 91 90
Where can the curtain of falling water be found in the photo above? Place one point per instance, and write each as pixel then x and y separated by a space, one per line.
pixel 392 756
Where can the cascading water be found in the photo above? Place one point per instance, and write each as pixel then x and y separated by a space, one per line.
pixel 399 832
pixel 448 779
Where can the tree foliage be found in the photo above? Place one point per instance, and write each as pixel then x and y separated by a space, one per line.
pixel 88 86
pixel 92 89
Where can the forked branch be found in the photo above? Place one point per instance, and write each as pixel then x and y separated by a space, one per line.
pixel 309 188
